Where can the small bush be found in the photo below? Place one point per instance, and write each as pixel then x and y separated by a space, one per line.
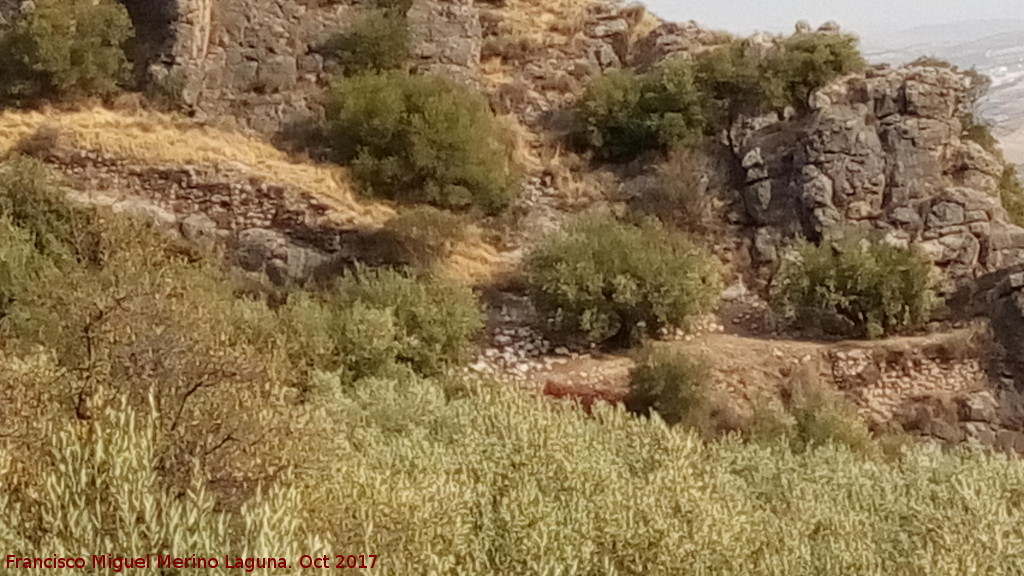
pixel 742 78
pixel 167 92
pixel 849 289
pixel 21 267
pixel 511 49
pixel 424 236
pixel 821 416
pixel 808 416
pixel 393 7
pixel 375 320
pixel 31 198
pixel 804 63
pixel 603 280
pixel 975 128
pixel 421 139
pixel 377 43
pixel 1011 193
pixel 66 48
pixel 680 102
pixel 625 114
pixel 680 194
pixel 731 80
pixel 674 386
pixel 981 134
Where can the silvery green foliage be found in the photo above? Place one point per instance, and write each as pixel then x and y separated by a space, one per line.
pixel 488 481
pixel 102 495
pixel 498 484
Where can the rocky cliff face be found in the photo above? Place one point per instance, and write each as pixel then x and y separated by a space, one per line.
pixel 255 62
pixel 882 153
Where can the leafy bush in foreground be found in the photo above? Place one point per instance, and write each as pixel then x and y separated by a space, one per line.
pixel 421 139
pixel 65 48
pixel 521 484
pixel 31 198
pixel 112 464
pixel 849 289
pixel 602 280
pixel 375 320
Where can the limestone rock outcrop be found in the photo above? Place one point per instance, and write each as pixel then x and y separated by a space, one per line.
pixel 671 39
pixel 544 76
pixel 883 153
pixel 256 62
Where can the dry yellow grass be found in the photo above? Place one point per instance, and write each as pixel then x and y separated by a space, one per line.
pixel 166 140
pixel 161 139
pixel 476 262
pixel 555 22
pixel 540 18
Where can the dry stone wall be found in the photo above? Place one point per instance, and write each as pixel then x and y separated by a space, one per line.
pixel 270 228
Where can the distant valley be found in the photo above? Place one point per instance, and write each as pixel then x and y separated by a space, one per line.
pixel 994 47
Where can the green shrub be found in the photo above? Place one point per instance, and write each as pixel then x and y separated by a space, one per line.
pixel 674 386
pixel 31 198
pixel 731 80
pixel 423 237
pixel 66 48
pixel 848 289
pixel 804 63
pixel 375 320
pixel 603 280
pixel 821 416
pixel 742 78
pixel 1011 194
pixel 809 416
pixel 22 268
pixel 829 421
pixel 625 114
pixel 112 464
pixel 376 43
pixel 679 102
pixel 769 424
pixel 421 139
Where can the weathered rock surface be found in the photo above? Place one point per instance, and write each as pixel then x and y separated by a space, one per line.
pixel 671 39
pixel 256 62
pixel 285 233
pixel 882 153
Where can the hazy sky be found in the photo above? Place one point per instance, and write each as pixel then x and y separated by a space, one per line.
pixel 866 17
